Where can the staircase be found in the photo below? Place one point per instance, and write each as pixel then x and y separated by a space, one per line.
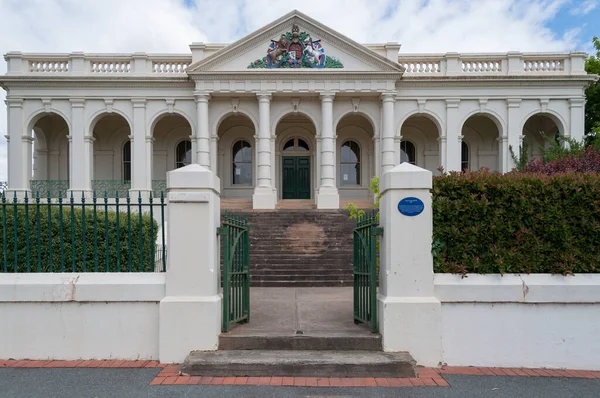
pixel 301 248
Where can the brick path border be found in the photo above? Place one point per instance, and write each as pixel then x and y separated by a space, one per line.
pixel 170 374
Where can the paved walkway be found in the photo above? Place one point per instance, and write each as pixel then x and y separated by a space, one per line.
pixel 285 310
pixel 134 383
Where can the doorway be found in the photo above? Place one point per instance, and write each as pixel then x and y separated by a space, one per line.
pixel 296 177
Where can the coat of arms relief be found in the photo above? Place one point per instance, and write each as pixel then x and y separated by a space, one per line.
pixel 296 49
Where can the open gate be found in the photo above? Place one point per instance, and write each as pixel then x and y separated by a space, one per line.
pixel 365 270
pixel 235 247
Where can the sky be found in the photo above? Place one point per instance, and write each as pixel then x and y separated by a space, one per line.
pixel 171 25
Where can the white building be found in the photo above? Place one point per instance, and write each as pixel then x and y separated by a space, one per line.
pixel 314 115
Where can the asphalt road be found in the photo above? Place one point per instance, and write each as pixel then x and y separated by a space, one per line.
pixel 134 383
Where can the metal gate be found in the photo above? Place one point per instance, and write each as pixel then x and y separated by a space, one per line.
pixel 365 270
pixel 235 245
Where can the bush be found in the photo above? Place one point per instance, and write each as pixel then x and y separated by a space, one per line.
pixel 50 238
pixel 516 223
pixel 580 161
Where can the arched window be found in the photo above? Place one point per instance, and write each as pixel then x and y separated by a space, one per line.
pixel 127 161
pixel 350 163
pixel 296 144
pixel 464 157
pixel 183 154
pixel 242 163
pixel 408 152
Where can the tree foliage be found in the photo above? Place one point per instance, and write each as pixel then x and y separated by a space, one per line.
pixel 592 93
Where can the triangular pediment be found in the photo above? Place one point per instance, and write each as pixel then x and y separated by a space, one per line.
pixel 310 47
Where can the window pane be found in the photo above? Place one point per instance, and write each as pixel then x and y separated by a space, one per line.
pixel 350 152
pixel 127 151
pixel 242 173
pixel 183 155
pixel 464 156
pixel 407 152
pixel 302 145
pixel 350 174
pixel 289 146
pixel 126 171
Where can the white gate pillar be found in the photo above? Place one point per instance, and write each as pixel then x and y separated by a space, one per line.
pixel 409 313
pixel 190 313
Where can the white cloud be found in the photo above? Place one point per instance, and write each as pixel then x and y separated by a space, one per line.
pixel 169 26
pixel 584 8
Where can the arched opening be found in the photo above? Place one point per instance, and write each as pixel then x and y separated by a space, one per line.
pixel 539 130
pixel 480 143
pixel 50 153
pixel 112 167
pixel 355 158
pixel 419 144
pixel 236 165
pixel 172 148
pixel 295 157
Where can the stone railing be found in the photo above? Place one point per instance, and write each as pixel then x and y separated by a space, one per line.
pixel 80 64
pixel 512 63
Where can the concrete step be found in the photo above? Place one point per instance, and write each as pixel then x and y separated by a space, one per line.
pixel 304 283
pixel 316 341
pixel 299 363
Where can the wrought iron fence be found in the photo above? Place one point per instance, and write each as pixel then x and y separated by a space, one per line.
pixel 39 234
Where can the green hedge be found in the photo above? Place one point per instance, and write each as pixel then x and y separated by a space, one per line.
pixel 62 247
pixel 516 223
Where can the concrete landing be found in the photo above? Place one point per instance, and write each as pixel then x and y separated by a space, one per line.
pixel 299 364
pixel 301 319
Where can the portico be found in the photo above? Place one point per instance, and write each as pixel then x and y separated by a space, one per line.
pixel 316 118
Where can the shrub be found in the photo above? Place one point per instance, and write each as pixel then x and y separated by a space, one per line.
pixel 516 223
pixel 55 249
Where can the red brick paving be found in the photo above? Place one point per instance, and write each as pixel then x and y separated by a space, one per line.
pixel 170 374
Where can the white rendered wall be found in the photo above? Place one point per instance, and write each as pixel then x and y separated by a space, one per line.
pixel 548 321
pixel 80 316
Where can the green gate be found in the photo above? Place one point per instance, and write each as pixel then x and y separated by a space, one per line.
pixel 235 245
pixel 365 270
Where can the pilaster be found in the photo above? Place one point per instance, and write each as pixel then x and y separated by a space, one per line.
pixel 80 165
pixel 513 133
pixel 453 147
pixel 577 122
pixel 18 181
pixel 141 145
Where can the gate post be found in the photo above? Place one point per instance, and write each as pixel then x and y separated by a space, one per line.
pixel 190 313
pixel 409 312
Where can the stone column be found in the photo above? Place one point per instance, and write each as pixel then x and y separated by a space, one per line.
pixel 453 132
pixel 140 160
pixel 387 131
pixel 203 131
pixel 79 143
pixel 190 313
pixel 514 131
pixel 214 153
pixel 17 177
pixel 318 166
pixel 264 197
pixel 328 194
pixel 377 150
pixel 409 313
pixel 577 124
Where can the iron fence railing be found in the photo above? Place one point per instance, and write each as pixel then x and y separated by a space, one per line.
pixel 39 234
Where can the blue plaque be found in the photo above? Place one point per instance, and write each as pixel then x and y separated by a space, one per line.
pixel 411 206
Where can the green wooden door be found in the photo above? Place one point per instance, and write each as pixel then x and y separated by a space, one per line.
pixel 296 177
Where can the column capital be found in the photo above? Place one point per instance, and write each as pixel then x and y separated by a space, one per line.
pixel 327 96
pixel 452 102
pixel 442 139
pixel 264 97
pixel 27 138
pixel 77 102
pixel 14 102
pixel 89 139
pixel 138 102
pixel 514 102
pixel 150 138
pixel 576 102
pixel 201 96
pixel 388 97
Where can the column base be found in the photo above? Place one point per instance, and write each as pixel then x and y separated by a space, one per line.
pixel 328 198
pixel 134 194
pixel 187 324
pixel 264 198
pixel 21 193
pixel 412 324
pixel 79 193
